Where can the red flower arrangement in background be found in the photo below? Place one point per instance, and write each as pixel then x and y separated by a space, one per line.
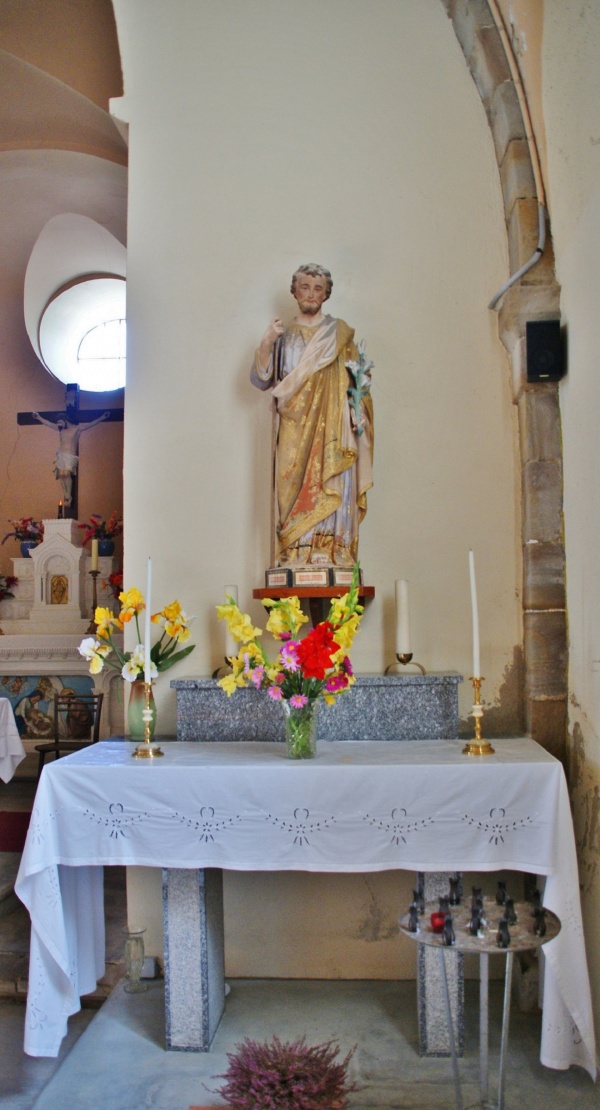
pixel 98 529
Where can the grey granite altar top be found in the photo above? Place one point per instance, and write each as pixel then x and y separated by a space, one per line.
pixel 377 707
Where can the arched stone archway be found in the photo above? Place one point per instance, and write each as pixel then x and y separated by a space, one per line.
pixel 535 296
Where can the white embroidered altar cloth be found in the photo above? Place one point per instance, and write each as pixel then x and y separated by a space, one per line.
pixel 370 806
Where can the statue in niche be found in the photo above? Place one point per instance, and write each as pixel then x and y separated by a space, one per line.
pixel 66 459
pixel 324 444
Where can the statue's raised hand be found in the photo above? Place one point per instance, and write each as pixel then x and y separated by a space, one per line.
pixel 274 330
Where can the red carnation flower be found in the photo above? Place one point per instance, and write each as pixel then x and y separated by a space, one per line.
pixel 315 651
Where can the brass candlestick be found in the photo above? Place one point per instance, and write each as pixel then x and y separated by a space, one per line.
pixel 92 625
pixel 478 746
pixel 404 659
pixel 147 750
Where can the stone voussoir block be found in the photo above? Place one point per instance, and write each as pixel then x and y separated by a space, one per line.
pixel 506 118
pixel 543 576
pixel 542 516
pixel 545 637
pixel 523 237
pixel 547 721
pixel 468 18
pixel 488 64
pixel 539 423
pixel 516 173
pixel 521 303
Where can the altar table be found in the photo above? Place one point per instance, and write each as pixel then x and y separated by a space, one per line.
pixel 359 806
pixel 11 746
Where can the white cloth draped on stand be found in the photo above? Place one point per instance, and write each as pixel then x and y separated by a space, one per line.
pixel 11 746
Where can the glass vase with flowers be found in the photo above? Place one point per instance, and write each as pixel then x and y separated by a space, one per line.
pixel 305 670
pixel 101 650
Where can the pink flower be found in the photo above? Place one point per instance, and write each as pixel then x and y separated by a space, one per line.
pixel 257 676
pixel 336 682
pixel 298 701
pixel 347 665
pixel 275 693
pixel 288 656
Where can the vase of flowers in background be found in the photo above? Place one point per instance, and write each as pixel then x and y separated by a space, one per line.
pixel 305 670
pixel 28 532
pixel 100 650
pixel 105 531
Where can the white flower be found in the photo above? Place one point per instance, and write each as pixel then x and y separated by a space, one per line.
pixel 95 653
pixel 130 671
pixel 135 666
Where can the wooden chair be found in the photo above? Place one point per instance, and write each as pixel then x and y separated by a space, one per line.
pixel 76 725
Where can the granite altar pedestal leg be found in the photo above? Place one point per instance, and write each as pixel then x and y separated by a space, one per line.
pixel 194 957
pixel 431 995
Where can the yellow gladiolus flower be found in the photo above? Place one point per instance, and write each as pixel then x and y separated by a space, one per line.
pixel 239 624
pixel 344 635
pixel 231 682
pixel 286 616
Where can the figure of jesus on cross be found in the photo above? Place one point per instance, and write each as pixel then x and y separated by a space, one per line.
pixel 66 459
pixel 69 428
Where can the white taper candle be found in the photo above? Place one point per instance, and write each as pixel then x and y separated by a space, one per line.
pixel 231 646
pixel 94 563
pixel 476 661
pixel 402 617
pixel 147 644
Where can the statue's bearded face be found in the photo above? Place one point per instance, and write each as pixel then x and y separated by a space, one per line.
pixel 310 292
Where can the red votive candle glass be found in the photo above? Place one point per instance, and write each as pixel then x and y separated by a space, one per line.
pixel 438 920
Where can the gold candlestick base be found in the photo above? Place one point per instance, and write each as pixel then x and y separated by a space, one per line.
pixel 147 750
pixel 404 660
pixel 478 746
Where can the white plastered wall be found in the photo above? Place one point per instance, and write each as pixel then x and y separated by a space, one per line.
pixel 263 135
pixel 571 96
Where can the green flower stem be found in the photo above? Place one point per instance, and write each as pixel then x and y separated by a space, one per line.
pixel 300 725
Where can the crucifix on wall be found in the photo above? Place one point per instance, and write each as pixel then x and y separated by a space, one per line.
pixel 69 427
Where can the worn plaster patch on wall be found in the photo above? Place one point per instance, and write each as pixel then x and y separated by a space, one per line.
pixel 374 924
pixel 506 717
pixel 584 785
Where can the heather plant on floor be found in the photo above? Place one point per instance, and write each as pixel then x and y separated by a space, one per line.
pixel 292 1076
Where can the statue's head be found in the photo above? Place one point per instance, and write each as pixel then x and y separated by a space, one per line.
pixel 313 270
pixel 62 421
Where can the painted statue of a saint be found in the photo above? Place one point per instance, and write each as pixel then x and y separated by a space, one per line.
pixel 324 442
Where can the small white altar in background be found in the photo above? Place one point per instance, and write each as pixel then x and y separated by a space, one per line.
pixel 46 621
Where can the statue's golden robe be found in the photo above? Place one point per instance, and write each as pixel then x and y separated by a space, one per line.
pixel 323 466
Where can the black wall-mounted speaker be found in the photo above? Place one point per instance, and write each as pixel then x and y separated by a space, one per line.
pixel 545 362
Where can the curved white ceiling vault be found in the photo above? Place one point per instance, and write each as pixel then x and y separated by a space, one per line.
pixel 75 280
pixel 63 177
